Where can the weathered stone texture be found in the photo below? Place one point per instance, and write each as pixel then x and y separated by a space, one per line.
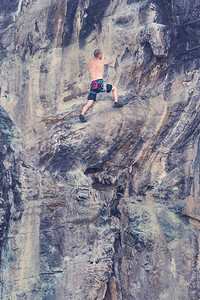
pixel 108 209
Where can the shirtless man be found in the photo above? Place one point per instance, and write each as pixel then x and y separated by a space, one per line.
pixel 96 68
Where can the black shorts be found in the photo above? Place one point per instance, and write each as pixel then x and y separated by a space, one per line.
pixel 97 86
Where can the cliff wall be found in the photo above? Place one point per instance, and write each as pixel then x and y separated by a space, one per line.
pixel 107 209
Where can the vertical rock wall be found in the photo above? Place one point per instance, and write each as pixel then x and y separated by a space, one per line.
pixel 108 209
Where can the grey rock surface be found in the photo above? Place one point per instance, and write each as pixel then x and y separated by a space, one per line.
pixel 107 209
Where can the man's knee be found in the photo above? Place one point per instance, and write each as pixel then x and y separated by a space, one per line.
pixel 90 103
pixel 114 88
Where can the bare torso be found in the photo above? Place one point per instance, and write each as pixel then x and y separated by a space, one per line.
pixel 96 67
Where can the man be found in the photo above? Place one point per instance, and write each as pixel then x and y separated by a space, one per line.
pixel 96 68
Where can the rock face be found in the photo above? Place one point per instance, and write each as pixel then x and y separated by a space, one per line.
pixel 108 209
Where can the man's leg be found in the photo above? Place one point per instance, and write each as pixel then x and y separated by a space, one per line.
pixel 85 108
pixel 115 93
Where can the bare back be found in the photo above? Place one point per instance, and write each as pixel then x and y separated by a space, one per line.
pixel 96 67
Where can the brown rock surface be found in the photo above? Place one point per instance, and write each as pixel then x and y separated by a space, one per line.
pixel 108 209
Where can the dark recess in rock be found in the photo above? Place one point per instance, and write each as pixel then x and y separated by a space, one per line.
pixel 124 20
pixel 63 160
pixel 95 13
pixel 36 27
pixel 49 27
pixel 69 24
pixel 114 208
pixel 9 6
pixel 148 56
pixel 115 268
pixel 8 177
pixel 165 15
pixel 132 1
pixel 93 170
pixel 184 26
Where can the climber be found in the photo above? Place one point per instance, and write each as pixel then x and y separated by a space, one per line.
pixel 96 68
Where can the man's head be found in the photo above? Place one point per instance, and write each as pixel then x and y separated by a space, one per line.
pixel 98 53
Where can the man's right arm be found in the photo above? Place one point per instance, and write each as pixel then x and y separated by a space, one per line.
pixel 107 62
